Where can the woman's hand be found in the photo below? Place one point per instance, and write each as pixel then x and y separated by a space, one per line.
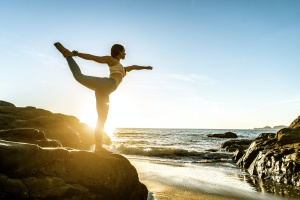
pixel 136 67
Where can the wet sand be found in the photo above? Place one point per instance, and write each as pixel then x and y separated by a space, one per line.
pixel 181 182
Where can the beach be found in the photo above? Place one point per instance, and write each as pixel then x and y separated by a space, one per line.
pixel 187 164
pixel 177 182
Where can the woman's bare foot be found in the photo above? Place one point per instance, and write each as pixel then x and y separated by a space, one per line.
pixel 65 52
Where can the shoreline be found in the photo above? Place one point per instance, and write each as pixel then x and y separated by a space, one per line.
pixel 186 182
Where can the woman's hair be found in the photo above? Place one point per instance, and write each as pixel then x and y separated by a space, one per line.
pixel 115 50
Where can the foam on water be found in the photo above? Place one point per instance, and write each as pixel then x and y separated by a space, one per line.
pixel 188 145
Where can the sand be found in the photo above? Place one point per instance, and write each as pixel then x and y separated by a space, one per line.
pixel 181 182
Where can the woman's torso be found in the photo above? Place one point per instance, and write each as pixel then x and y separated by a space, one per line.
pixel 117 72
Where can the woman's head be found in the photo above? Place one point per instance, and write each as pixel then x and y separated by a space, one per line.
pixel 116 50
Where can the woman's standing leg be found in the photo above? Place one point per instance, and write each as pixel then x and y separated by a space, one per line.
pixel 102 101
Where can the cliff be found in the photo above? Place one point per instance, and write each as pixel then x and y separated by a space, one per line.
pixel 43 157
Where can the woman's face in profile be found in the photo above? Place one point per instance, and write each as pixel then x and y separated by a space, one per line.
pixel 122 54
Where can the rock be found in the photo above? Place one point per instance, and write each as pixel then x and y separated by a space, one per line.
pixel 295 123
pixel 5 103
pixel 288 135
pixel 237 154
pixel 12 188
pixel 34 165
pixel 5 120
pixel 32 172
pixel 212 150
pixel 28 135
pixel 265 136
pixel 275 156
pixel 233 145
pixel 223 135
pixel 66 129
pixel 53 188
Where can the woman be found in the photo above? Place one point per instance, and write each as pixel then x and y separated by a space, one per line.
pixel 103 87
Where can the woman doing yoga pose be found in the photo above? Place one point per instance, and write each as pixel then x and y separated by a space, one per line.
pixel 103 86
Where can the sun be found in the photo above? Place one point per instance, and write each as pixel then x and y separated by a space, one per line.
pixel 123 112
pixel 88 114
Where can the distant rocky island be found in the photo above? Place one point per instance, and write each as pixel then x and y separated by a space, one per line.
pixel 270 128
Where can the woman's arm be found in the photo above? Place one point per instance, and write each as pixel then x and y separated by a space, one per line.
pixel 136 67
pixel 100 59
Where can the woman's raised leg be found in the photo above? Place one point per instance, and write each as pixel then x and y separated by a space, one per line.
pixel 88 81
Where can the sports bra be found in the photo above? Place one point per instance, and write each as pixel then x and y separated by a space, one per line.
pixel 117 69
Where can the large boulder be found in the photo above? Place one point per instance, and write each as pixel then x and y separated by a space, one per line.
pixel 37 161
pixel 275 156
pixel 66 129
pixel 28 171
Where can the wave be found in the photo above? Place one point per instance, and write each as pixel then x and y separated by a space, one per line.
pixel 173 153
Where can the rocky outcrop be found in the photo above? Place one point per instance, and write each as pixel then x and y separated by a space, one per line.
pixel 28 171
pixel 37 161
pixel 275 156
pixel 223 135
pixel 66 129
pixel 28 135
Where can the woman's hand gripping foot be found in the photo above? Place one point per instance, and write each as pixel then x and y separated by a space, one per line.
pixel 65 52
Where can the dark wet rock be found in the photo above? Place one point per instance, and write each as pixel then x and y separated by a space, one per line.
pixel 238 154
pixel 223 135
pixel 275 156
pixel 66 129
pixel 212 150
pixel 233 145
pixel 28 171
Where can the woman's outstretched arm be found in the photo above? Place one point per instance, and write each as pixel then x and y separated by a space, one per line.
pixel 136 67
pixel 100 59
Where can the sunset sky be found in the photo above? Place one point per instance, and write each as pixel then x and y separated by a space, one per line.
pixel 216 63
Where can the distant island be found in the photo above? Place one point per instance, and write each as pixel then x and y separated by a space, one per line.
pixel 270 128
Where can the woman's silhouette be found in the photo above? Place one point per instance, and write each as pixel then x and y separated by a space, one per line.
pixel 103 87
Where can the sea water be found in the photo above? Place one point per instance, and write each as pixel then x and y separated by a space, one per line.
pixel 182 154
pixel 176 145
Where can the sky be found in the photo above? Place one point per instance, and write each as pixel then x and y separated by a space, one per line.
pixel 222 64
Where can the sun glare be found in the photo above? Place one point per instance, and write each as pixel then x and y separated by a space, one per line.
pixel 88 113
pixel 122 113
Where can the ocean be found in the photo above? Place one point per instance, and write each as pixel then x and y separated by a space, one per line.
pixel 176 145
pixel 192 161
